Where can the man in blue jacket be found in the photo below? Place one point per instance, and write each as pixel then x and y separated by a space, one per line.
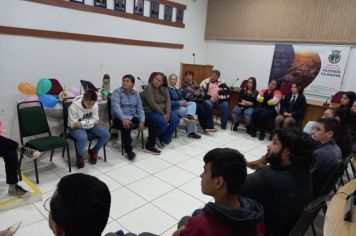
pixel 127 111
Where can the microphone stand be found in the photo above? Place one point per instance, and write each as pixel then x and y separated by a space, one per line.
pixel 142 84
pixel 193 58
pixel 234 83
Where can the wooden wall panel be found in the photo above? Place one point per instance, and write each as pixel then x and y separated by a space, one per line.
pixel 323 21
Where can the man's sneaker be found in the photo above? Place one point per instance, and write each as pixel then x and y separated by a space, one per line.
pixel 153 150
pixel 12 229
pixel 194 135
pixel 31 153
pixel 130 155
pixel 80 162
pixel 93 156
pixel 17 191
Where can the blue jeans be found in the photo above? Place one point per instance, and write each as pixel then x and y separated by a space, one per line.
pixel 159 127
pixel 189 110
pixel 81 138
pixel 236 111
pixel 223 108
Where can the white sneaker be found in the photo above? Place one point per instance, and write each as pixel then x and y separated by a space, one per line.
pixel 31 153
pixel 13 229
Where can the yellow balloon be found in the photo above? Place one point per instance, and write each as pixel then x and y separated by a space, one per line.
pixel 27 88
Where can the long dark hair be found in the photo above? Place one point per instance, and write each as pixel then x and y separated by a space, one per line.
pixel 254 85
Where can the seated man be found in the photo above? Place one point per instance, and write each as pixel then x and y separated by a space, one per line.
pixel 79 206
pixel 231 214
pixel 83 117
pixel 328 153
pixel 218 95
pixel 127 112
pixel 182 107
pixel 284 186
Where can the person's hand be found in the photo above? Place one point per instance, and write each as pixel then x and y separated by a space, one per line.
pixel 141 126
pixel 183 103
pixel 257 164
pixel 126 123
pixel 178 232
pixel 77 125
pixel 166 116
pixel 197 92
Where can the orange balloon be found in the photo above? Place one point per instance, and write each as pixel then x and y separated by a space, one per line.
pixel 27 88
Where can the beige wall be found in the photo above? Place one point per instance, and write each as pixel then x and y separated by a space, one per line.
pixel 324 21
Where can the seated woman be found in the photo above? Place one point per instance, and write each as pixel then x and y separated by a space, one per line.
pixel 246 104
pixel 182 108
pixel 268 108
pixel 160 120
pixel 347 99
pixel 192 92
pixel 292 107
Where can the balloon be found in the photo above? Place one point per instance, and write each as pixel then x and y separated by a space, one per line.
pixel 43 86
pixel 27 88
pixel 48 100
pixel 74 90
pixel 31 98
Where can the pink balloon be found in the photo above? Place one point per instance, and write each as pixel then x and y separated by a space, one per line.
pixel 74 90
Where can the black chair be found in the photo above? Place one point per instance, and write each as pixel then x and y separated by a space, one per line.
pixel 307 217
pixel 334 177
pixel 66 103
pixel 113 126
pixel 33 122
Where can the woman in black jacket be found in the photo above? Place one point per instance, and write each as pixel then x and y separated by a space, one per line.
pixel 293 107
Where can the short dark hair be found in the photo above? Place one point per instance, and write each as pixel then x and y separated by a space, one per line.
pixel 129 76
pixel 329 124
pixel 90 95
pixel 81 205
pixel 216 72
pixel 300 145
pixel 229 164
pixel 106 76
pixel 298 85
pixel 189 72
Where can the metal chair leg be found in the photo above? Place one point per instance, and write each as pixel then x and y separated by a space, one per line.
pixel 52 151
pixel 104 149
pixel 313 229
pixel 64 148
pixel 68 157
pixel 143 145
pixel 36 171
pixel 19 165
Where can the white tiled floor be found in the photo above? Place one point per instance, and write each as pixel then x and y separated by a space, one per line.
pixel 150 194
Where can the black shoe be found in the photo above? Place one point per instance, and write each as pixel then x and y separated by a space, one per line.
pixel 223 127
pixel 262 135
pixel 248 129
pixel 235 126
pixel 253 132
pixel 152 150
pixel 194 135
pixel 130 155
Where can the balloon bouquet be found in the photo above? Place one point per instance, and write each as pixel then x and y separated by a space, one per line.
pixel 41 92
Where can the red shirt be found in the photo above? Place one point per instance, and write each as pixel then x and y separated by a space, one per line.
pixel 207 225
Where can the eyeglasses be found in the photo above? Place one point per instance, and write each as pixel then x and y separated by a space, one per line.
pixel 46 204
